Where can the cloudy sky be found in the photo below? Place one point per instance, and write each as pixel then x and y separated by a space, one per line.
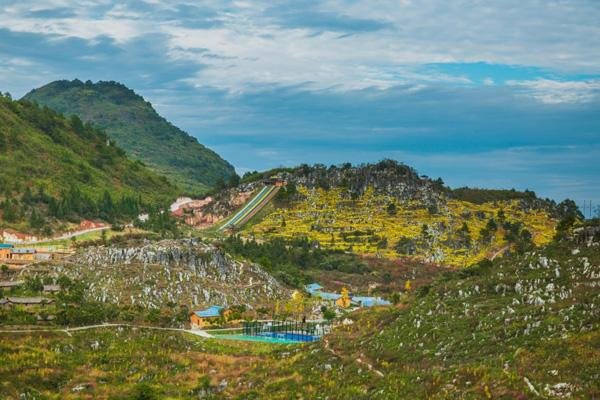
pixel 491 94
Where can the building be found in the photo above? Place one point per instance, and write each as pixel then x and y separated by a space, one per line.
pixel 23 254
pixel 363 301
pixel 5 251
pixel 201 318
pixel 12 236
pixel 315 290
pixel 345 300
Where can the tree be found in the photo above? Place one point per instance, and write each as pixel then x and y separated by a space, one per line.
pixel 391 208
pixel 35 221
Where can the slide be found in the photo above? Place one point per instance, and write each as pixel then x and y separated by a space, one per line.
pixel 261 199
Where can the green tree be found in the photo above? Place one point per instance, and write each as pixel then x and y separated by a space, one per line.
pixel 391 208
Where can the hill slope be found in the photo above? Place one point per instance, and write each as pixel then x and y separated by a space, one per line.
pixel 136 127
pixel 45 155
pixel 522 327
pixel 387 209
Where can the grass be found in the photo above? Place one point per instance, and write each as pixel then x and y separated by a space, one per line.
pixel 116 362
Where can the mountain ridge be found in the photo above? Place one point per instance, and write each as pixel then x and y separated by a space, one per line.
pixel 134 124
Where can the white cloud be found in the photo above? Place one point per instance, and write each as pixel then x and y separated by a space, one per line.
pixel 555 92
pixel 254 45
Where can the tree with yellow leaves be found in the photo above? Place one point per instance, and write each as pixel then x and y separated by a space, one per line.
pixel 407 285
pixel 344 300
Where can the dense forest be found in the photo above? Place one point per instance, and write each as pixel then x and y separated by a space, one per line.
pixel 58 168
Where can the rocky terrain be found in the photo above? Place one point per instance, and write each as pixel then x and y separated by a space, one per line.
pixel 169 272
pixel 521 327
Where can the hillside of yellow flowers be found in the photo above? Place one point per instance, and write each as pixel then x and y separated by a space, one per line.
pixel 454 232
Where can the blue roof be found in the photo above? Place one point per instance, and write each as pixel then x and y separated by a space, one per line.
pixel 24 251
pixel 212 311
pixel 327 295
pixel 6 246
pixel 313 287
pixel 370 301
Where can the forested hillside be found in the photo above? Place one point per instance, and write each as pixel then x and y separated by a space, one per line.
pixel 132 122
pixel 57 168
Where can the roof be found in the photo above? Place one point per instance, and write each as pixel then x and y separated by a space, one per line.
pixel 6 246
pixel 51 288
pixel 23 251
pixel 326 295
pixel 313 287
pixel 370 301
pixel 212 311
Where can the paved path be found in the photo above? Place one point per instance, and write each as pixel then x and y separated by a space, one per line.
pixel 68 331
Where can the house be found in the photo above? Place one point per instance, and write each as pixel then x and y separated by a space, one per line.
pixel 12 236
pixel 201 318
pixel 313 287
pixel 5 250
pixel 315 290
pixel 23 254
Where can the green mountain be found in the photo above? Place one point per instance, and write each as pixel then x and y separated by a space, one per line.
pixel 137 128
pixel 57 166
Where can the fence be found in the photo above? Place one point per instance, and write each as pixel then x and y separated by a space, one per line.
pixel 291 330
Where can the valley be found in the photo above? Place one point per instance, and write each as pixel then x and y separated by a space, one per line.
pixel 126 277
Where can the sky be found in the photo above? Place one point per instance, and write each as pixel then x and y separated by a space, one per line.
pixel 502 94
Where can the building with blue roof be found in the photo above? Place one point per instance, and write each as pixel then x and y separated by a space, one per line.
pixel 313 287
pixel 365 301
pixel 200 318
pixel 315 290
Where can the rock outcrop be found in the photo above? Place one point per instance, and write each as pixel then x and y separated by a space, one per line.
pixel 170 272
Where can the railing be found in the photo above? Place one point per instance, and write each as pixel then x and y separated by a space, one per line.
pixel 291 330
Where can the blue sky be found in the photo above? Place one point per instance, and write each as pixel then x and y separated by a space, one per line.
pixel 490 94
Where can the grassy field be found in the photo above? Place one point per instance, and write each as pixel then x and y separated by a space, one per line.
pixel 125 363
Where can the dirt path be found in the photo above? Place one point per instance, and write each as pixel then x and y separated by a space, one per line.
pixel 358 360
pixel 497 253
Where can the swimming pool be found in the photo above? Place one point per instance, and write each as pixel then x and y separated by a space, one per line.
pixel 280 338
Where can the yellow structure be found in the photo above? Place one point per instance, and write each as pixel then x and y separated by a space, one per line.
pixel 344 300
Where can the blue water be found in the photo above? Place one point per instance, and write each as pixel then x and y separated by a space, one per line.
pixel 280 338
